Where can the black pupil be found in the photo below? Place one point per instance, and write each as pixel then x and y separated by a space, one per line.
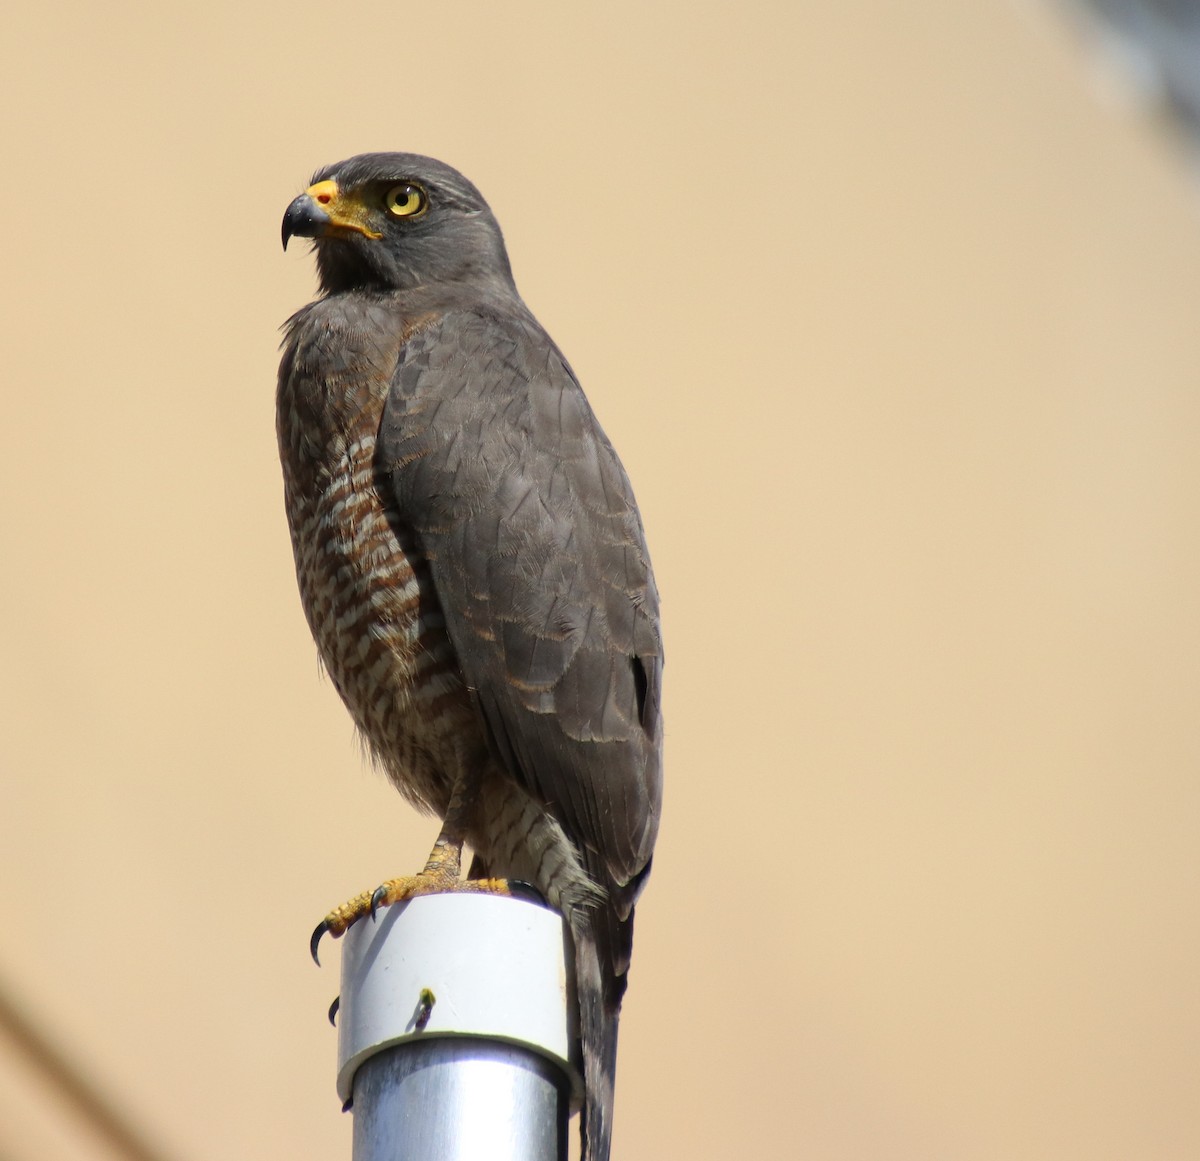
pixel 403 196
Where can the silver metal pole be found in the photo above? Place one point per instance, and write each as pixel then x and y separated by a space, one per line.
pixel 454 1033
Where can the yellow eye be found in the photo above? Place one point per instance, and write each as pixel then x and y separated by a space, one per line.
pixel 406 201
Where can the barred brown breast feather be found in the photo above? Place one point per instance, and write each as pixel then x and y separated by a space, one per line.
pixel 366 593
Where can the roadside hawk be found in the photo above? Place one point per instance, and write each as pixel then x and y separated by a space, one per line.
pixel 472 565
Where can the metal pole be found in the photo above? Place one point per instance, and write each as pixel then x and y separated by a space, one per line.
pixel 454 1032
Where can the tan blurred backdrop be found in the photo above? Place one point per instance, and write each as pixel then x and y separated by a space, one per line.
pixel 893 318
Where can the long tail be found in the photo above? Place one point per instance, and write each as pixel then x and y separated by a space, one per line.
pixel 599 992
pixel 603 938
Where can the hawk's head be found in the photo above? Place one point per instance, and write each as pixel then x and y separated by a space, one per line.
pixel 397 220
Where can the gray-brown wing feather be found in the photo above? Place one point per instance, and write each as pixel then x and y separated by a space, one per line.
pixel 489 452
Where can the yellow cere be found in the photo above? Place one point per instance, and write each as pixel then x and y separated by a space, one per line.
pixel 345 212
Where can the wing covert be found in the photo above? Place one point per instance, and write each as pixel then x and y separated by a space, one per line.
pixel 490 456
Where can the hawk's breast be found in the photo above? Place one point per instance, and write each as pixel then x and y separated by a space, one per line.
pixel 365 588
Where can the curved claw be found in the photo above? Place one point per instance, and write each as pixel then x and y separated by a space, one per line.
pixel 315 940
pixel 522 890
pixel 377 897
pixel 333 1010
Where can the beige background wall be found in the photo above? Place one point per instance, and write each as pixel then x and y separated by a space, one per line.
pixel 894 322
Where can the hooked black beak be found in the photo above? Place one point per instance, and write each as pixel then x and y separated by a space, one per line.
pixel 304 219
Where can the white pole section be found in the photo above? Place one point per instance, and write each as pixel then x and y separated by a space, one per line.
pixel 455 1033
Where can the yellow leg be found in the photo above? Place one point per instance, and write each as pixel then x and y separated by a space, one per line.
pixel 440 876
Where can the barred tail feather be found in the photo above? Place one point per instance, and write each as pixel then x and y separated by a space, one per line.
pixel 598 1018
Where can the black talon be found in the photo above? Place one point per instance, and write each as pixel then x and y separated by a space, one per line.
pixel 313 943
pixel 348 1105
pixel 522 890
pixel 333 1010
pixel 377 897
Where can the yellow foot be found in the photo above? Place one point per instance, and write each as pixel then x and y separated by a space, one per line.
pixel 428 882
